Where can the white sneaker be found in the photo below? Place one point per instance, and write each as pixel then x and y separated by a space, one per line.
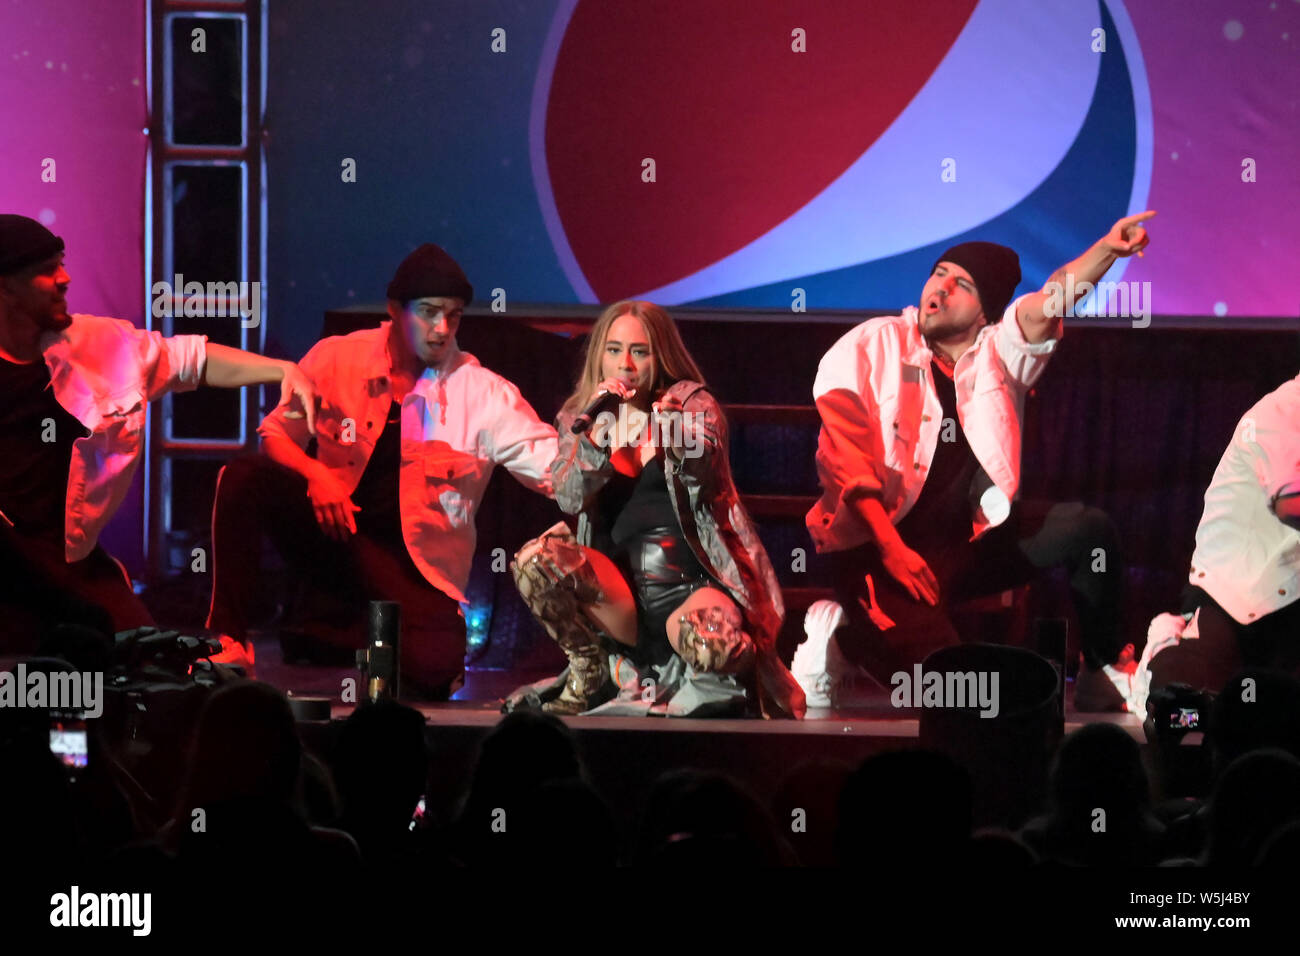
pixel 818 666
pixel 1165 630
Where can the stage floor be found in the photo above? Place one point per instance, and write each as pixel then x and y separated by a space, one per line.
pixel 477 704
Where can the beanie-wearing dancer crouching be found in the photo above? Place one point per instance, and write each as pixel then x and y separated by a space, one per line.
pixel 411 429
pixel 919 460
pixel 665 600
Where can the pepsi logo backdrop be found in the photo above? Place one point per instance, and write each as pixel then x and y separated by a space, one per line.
pixel 832 146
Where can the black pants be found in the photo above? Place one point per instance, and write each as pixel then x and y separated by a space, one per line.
pixel 256 497
pixel 40 590
pixel 1035 536
pixel 1224 646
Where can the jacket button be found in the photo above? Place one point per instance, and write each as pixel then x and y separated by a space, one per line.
pixel 1251 614
pixel 1281 591
pixel 351 462
pixel 895 426
pixel 925 418
pixel 370 424
pixel 916 466
pixel 1201 575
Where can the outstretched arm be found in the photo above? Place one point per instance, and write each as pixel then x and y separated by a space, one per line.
pixel 1040 314
pixel 233 368
pixel 523 443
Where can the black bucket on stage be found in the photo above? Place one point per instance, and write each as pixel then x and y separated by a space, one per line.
pixel 1007 754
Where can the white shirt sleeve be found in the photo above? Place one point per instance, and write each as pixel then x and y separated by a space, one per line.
pixel 174 364
pixel 1270 436
pixel 850 455
pixel 1023 360
pixel 521 442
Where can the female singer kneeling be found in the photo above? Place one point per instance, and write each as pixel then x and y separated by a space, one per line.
pixel 665 600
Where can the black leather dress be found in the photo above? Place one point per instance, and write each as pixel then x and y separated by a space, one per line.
pixel 645 541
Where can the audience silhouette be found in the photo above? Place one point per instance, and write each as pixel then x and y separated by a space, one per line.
pixel 255 807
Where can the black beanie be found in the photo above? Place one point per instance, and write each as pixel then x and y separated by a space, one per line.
pixel 24 242
pixel 995 269
pixel 429 272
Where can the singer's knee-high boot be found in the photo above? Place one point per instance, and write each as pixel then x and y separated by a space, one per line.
pixel 555 580
pixel 711 639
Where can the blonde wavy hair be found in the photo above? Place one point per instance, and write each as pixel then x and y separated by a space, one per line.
pixel 672 362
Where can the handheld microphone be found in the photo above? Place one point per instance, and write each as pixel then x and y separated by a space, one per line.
pixel 602 402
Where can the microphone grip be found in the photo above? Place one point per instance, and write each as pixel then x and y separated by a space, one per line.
pixel 594 408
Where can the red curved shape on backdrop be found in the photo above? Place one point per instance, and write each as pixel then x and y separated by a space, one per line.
pixel 743 130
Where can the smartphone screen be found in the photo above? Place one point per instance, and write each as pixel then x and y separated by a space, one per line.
pixel 1187 718
pixel 68 741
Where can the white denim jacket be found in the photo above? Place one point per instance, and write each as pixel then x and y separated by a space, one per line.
pixel 1245 558
pixel 881 421
pixel 459 422
pixel 105 372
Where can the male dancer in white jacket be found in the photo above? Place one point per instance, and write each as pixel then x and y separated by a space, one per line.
pixel 72 425
pixel 919 460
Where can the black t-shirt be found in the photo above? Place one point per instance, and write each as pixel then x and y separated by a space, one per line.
pixel 942 514
pixel 377 492
pixel 36 438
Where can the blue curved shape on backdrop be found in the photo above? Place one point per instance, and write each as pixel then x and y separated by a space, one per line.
pixel 1091 188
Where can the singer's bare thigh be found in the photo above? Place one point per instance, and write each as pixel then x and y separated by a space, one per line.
pixel 616 613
